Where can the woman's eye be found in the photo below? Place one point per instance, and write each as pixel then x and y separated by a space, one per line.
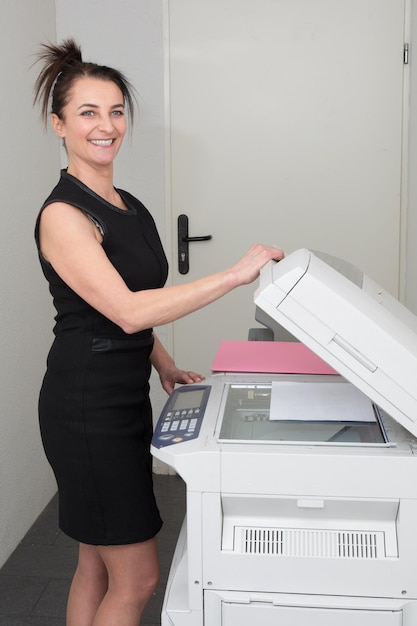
pixel 87 113
pixel 117 112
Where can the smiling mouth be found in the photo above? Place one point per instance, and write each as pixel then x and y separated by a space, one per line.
pixel 102 142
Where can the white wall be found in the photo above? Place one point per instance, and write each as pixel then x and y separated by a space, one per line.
pixel 27 162
pixel 128 36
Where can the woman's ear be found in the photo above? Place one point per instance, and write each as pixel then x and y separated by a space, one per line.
pixel 57 125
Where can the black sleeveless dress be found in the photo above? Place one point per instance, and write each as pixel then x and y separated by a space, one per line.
pixel 94 408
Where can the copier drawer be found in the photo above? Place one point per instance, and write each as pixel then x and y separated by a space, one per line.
pixel 232 610
pixel 294 616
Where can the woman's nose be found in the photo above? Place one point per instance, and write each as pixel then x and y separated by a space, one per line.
pixel 105 123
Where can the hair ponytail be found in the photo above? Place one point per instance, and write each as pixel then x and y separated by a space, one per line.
pixel 62 65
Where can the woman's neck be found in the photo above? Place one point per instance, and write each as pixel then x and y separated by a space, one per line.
pixel 100 180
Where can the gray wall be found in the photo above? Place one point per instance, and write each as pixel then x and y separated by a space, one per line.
pixel 27 169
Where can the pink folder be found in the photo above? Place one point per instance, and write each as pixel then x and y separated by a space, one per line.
pixel 269 357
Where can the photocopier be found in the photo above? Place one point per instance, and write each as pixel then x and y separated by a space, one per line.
pixel 301 479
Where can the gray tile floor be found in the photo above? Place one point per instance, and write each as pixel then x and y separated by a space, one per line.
pixel 35 580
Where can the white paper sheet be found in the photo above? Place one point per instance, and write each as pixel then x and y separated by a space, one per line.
pixel 333 402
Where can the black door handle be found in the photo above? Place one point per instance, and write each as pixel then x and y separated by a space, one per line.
pixel 183 240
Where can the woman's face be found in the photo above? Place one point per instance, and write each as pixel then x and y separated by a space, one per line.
pixel 93 123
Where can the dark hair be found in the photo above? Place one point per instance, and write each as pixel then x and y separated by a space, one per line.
pixel 62 66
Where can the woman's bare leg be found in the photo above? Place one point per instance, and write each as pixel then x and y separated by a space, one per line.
pixel 89 586
pixel 133 575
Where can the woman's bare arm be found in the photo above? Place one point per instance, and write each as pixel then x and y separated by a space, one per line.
pixel 69 241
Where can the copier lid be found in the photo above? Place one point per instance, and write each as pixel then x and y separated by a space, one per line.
pixel 349 321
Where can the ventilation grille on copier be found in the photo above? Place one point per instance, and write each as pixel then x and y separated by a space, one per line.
pixel 311 543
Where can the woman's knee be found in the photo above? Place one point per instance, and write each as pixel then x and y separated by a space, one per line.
pixel 133 570
pixel 149 583
pixel 139 594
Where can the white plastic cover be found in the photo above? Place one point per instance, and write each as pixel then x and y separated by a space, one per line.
pixel 349 321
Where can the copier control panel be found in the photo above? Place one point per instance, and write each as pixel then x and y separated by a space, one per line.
pixel 182 416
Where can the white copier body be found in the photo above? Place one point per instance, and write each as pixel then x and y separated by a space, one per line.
pixel 302 520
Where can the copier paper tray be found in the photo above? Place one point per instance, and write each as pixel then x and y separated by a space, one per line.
pixel 351 322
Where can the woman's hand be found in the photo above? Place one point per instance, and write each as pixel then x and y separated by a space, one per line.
pixel 172 375
pixel 169 373
pixel 248 267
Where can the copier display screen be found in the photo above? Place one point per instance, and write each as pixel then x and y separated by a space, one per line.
pixel 190 400
pixel 247 416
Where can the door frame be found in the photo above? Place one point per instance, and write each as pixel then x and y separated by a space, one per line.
pixel 405 154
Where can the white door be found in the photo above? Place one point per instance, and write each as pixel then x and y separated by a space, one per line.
pixel 285 128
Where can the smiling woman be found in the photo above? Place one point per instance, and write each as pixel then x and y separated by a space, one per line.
pixel 92 125
pixel 101 254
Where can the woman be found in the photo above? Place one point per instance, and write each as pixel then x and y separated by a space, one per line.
pixel 100 251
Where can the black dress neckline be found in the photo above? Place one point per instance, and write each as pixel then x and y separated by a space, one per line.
pixel 129 211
